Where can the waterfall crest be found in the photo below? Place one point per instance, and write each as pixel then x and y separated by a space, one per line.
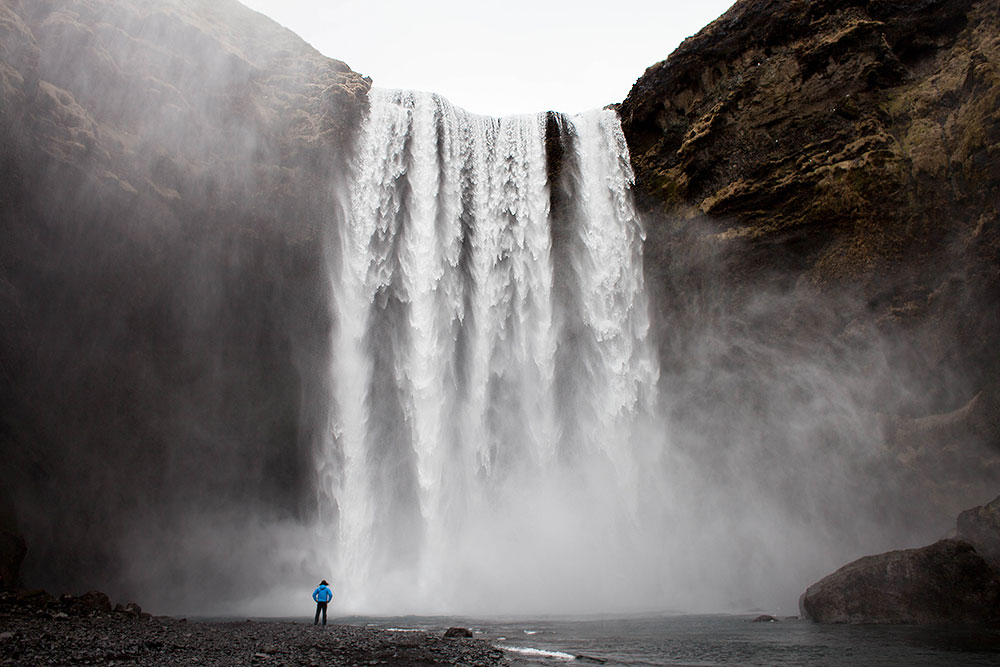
pixel 492 374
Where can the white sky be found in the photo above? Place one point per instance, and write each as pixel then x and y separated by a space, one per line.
pixel 499 57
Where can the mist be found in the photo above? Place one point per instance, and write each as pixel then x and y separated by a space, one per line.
pixel 261 328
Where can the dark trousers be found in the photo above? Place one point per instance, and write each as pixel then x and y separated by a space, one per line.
pixel 320 607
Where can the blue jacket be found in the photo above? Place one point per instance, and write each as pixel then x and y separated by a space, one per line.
pixel 322 594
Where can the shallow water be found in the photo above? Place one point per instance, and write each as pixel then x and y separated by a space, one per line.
pixel 716 640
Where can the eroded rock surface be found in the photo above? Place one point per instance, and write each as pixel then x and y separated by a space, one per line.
pixel 947 582
pixel 821 184
pixel 951 581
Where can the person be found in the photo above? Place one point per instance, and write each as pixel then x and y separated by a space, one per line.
pixel 322 595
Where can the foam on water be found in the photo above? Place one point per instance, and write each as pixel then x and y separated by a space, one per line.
pixel 538 652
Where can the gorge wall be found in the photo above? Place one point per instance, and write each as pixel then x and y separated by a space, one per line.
pixel 166 167
pixel 819 183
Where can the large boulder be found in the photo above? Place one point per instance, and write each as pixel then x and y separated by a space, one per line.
pixel 95 602
pixel 457 633
pixel 946 582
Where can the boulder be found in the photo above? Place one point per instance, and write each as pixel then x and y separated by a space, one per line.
pixel 130 609
pixel 946 582
pixel 458 633
pixel 93 602
pixel 980 527
pixel 34 599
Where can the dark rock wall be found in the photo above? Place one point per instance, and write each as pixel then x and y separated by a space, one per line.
pixel 821 185
pixel 167 171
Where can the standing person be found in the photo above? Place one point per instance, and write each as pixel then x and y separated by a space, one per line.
pixel 322 595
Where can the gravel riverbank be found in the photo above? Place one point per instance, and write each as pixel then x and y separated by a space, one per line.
pixel 36 629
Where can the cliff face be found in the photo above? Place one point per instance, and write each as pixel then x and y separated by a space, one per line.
pixel 821 182
pixel 167 170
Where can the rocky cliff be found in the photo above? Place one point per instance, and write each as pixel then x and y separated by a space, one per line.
pixel 821 183
pixel 166 170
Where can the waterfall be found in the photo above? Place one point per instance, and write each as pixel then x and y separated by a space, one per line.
pixel 492 376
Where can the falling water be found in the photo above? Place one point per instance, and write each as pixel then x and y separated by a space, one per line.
pixel 492 373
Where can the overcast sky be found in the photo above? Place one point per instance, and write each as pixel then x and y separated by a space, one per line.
pixel 500 57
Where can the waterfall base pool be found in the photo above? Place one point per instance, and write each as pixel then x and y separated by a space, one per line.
pixel 716 640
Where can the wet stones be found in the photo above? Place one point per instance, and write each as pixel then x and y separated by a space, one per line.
pixel 39 629
pixel 458 633
pixel 765 618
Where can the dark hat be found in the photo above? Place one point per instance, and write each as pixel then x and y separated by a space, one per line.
pixel 323 583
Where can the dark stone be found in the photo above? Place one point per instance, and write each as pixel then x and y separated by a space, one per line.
pixel 765 618
pixel 35 598
pixel 980 527
pixel 946 582
pixel 455 633
pixel 93 602
pixel 590 659
pixel 132 609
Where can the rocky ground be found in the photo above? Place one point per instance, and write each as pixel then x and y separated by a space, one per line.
pixel 36 629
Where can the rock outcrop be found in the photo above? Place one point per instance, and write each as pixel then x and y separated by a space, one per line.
pixel 947 582
pixel 821 186
pixel 951 581
pixel 167 169
pixel 458 633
